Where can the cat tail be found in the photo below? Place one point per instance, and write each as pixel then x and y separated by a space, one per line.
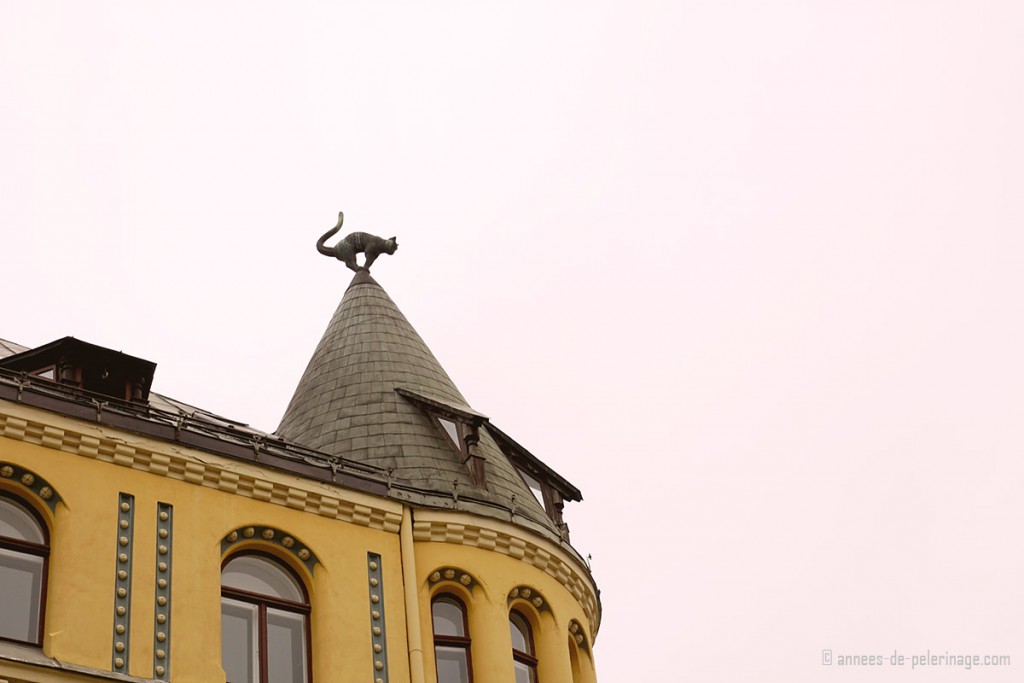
pixel 320 242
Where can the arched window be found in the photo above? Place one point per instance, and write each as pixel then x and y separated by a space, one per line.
pixel 574 662
pixel 23 553
pixel 451 640
pixel 523 654
pixel 264 622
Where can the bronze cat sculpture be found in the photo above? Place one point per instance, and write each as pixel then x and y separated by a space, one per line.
pixel 357 242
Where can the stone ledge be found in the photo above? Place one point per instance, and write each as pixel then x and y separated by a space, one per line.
pixel 26 664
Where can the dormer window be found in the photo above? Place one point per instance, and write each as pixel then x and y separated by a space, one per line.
pixel 49 373
pixel 547 486
pixel 452 430
pixel 461 428
pixel 535 488
pixel 97 371
pixel 464 436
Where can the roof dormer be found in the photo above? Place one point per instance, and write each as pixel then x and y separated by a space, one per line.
pixel 460 425
pixel 93 369
pixel 549 488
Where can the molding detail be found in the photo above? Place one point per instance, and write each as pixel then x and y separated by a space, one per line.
pixel 443 575
pixel 123 583
pixel 162 608
pixel 516 547
pixel 530 595
pixel 271 536
pixel 173 465
pixel 19 664
pixel 577 633
pixel 27 479
pixel 378 632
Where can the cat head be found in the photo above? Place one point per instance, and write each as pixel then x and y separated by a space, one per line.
pixel 392 245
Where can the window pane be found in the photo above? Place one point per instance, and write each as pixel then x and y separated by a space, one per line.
pixel 520 633
pixel 17 522
pixel 452 666
pixel 525 673
pixel 262 576
pixel 21 579
pixel 286 646
pixel 452 430
pixel 238 623
pixel 535 487
pixel 448 619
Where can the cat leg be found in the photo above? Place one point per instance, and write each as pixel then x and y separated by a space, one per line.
pixel 348 256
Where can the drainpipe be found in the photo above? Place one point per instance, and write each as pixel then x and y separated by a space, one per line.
pixel 412 601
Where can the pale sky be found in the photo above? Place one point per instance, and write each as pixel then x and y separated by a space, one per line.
pixel 747 273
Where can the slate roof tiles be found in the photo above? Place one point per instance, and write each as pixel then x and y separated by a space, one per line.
pixel 346 405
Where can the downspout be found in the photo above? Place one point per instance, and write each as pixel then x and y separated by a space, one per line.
pixel 412 601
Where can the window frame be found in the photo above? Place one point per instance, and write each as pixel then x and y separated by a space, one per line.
pixel 41 373
pixel 29 548
pixel 262 602
pixel 467 427
pixel 545 499
pixel 527 658
pixel 463 642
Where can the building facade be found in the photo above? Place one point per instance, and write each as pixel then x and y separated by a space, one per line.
pixel 386 532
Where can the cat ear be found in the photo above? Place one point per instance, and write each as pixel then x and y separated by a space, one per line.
pixel 394 239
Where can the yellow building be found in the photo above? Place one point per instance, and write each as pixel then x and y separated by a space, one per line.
pixel 386 533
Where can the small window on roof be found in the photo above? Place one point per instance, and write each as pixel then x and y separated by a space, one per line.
pixel 452 430
pixel 464 437
pixel 535 488
pixel 49 373
pixel 462 429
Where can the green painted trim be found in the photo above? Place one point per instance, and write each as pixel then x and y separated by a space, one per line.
pixel 162 601
pixel 273 536
pixel 452 575
pixel 33 482
pixel 378 630
pixel 531 595
pixel 577 633
pixel 121 641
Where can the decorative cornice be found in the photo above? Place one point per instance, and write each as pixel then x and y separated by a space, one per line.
pixel 443 531
pixel 197 471
pixel 515 542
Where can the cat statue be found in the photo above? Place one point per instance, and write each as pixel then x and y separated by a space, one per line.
pixel 355 243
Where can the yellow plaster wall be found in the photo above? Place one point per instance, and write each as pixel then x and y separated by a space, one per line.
pixel 488 608
pixel 80 599
pixel 81 582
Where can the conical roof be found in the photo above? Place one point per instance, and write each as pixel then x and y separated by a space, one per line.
pixel 365 396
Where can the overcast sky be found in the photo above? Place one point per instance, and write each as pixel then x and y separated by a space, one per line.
pixel 747 273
